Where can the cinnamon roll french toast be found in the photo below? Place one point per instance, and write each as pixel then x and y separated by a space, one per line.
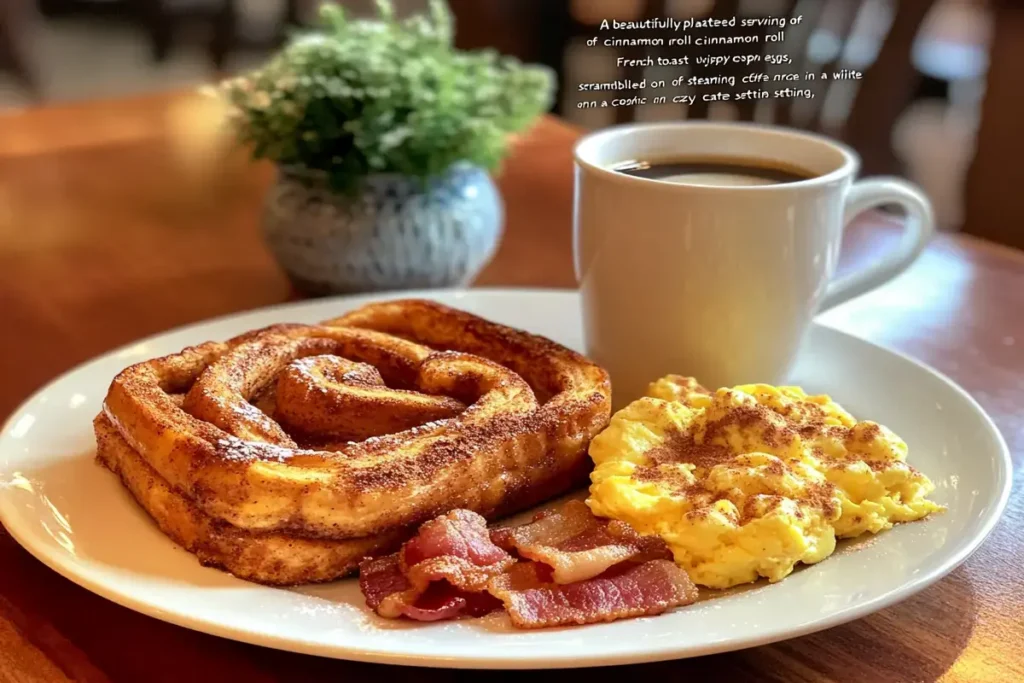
pixel 288 454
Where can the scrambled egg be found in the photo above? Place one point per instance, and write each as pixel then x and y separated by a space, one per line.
pixel 747 482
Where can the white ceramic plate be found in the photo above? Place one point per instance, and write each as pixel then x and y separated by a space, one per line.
pixel 75 517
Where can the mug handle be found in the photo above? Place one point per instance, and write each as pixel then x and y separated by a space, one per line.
pixel 919 227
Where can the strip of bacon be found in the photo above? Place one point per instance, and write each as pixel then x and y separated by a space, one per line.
pixel 440 573
pixel 576 544
pixel 627 590
pixel 459 534
pixel 570 568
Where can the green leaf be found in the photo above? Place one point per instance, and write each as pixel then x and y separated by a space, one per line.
pixel 384 95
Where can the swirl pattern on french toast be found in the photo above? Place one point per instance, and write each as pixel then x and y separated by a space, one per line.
pixel 350 432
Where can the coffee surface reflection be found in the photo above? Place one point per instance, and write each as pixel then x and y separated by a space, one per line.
pixel 731 172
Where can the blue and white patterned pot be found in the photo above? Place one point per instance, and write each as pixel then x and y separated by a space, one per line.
pixel 395 233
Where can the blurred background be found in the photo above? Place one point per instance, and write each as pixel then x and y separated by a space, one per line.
pixel 917 112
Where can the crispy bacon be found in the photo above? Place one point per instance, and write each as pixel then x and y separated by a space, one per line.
pixel 576 544
pixel 624 591
pixel 440 573
pixel 460 534
pixel 569 568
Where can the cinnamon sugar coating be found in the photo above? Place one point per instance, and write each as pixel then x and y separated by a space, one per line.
pixel 359 427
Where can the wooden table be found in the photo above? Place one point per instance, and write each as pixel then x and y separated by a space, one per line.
pixel 104 239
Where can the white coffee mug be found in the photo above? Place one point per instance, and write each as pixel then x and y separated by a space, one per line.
pixel 713 281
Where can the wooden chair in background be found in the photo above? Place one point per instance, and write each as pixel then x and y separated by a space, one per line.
pixel 886 90
pixel 542 30
pixel 993 208
pixel 15 16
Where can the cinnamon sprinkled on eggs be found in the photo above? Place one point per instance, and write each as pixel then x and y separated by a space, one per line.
pixel 750 481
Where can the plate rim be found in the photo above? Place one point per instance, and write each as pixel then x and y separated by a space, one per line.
pixel 49 557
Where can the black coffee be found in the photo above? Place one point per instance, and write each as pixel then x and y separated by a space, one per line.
pixel 708 171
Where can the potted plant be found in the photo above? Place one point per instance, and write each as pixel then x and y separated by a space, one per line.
pixel 384 136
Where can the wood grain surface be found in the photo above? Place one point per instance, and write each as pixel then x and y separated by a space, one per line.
pixel 110 230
